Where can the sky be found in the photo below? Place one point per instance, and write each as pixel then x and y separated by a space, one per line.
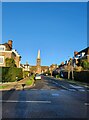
pixel 56 28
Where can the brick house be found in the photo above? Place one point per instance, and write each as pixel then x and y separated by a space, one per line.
pixel 81 55
pixel 6 51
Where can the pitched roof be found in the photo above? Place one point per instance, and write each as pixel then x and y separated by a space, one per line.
pixel 7 46
pixel 84 50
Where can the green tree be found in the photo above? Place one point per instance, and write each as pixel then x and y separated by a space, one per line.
pixel 85 64
pixel 10 62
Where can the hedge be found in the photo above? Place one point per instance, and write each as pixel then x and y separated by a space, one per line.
pixel 82 76
pixel 9 74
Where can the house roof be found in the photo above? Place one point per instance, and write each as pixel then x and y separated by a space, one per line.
pixel 84 50
pixel 7 46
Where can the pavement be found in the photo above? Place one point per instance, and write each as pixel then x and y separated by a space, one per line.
pixel 15 85
pixel 46 100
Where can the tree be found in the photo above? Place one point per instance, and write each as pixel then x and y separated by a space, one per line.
pixel 10 62
pixel 85 64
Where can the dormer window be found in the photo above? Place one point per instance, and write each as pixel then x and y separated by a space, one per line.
pixel 2 48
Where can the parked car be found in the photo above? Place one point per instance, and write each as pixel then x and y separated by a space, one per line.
pixel 38 77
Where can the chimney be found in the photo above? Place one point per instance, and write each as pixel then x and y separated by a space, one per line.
pixel 10 43
pixel 75 53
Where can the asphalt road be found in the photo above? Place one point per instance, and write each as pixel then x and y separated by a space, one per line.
pixel 49 98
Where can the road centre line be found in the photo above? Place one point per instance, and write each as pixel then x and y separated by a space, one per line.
pixel 17 101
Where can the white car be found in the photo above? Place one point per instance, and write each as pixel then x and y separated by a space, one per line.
pixel 38 77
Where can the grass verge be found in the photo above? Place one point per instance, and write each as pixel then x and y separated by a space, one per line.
pixel 29 81
pixel 3 86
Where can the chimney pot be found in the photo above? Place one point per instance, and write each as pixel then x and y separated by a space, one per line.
pixel 10 43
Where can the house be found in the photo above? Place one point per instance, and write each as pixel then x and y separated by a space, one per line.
pixel 44 69
pixel 25 67
pixel 81 55
pixel 6 51
pixel 53 67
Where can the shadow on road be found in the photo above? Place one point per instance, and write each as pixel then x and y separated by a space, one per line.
pixel 7 94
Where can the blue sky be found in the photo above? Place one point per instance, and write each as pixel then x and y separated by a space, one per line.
pixel 57 29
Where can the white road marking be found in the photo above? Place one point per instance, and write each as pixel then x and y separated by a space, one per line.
pixel 86 104
pixel 55 94
pixel 81 90
pixel 71 89
pixel 75 86
pixel 17 101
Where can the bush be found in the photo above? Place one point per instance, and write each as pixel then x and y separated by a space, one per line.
pixel 10 62
pixel 85 64
pixel 82 76
pixel 26 74
pixel 9 74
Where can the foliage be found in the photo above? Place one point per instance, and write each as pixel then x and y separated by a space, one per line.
pixel 10 62
pixel 29 81
pixel 82 76
pixel 78 68
pixel 85 64
pixel 9 74
pixel 25 73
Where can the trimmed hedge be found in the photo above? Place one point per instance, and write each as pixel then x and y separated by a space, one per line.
pixel 82 76
pixel 9 74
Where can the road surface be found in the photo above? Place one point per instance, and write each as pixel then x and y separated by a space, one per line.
pixel 49 98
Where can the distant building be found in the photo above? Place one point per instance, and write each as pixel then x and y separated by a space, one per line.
pixel 44 69
pixel 6 51
pixel 25 67
pixel 53 67
pixel 38 68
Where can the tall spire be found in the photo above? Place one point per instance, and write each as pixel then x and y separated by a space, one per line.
pixel 38 56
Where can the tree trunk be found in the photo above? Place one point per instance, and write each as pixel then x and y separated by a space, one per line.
pixel 68 74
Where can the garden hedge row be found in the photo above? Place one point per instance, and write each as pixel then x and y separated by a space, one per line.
pixel 10 74
pixel 82 76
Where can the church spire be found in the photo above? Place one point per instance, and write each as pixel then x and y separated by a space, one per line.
pixel 38 64
pixel 38 56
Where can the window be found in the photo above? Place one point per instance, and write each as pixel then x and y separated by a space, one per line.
pixel 2 48
pixel 1 59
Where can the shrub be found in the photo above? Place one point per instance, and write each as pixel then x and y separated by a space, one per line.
pixel 9 74
pixel 85 64
pixel 10 62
